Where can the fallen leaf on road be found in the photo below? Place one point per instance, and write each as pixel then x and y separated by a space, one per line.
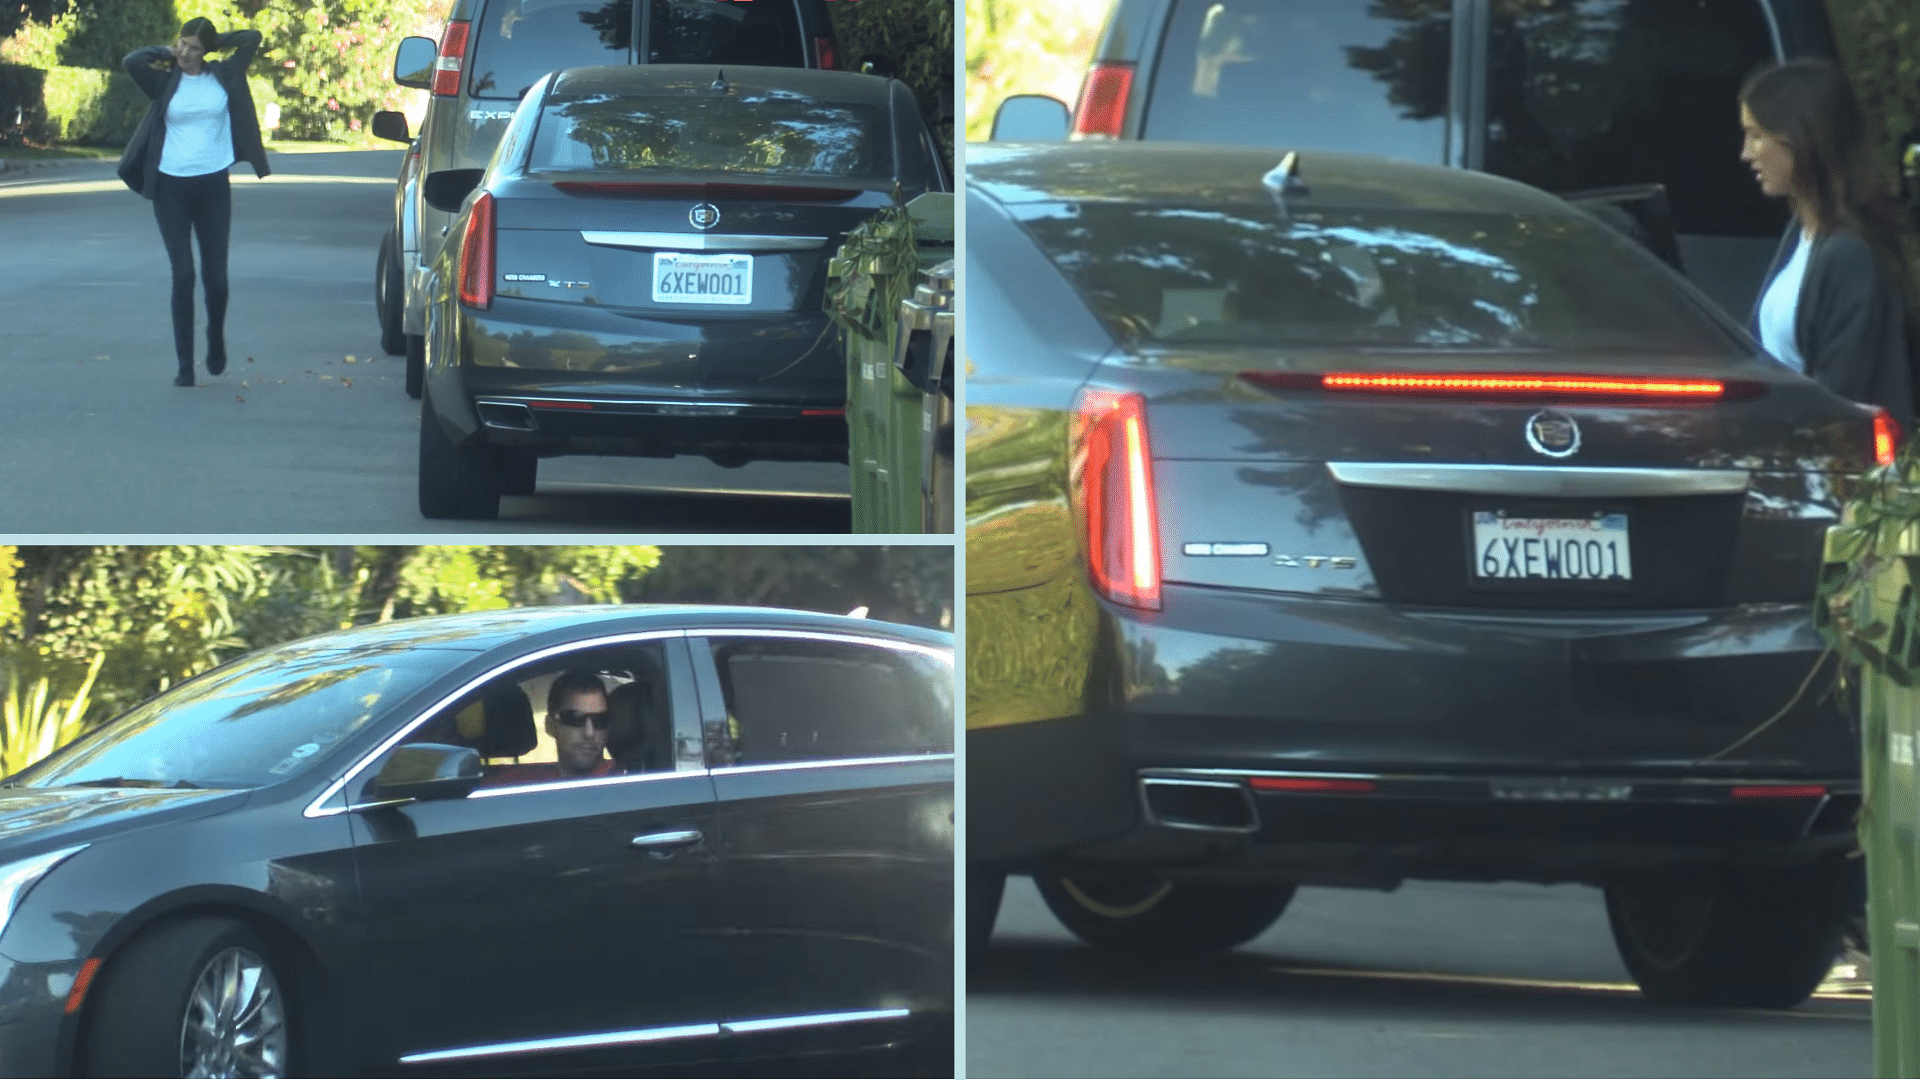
pixel 326 378
pixel 351 360
pixel 249 359
pixel 238 398
pixel 346 381
pixel 243 384
pixel 103 356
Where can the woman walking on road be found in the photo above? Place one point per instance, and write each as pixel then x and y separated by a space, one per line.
pixel 1834 304
pixel 200 122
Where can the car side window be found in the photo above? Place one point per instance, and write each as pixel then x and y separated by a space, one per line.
pixel 1586 94
pixel 764 33
pixel 600 713
pixel 794 700
pixel 1317 74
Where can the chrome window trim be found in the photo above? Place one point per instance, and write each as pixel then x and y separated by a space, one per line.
pixel 832 763
pixel 315 809
pixel 724 242
pixel 591 781
pixel 566 1042
pixel 1542 480
pixel 782 1023
pixel 847 637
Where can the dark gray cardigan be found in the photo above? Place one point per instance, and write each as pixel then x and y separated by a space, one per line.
pixel 1849 323
pixel 154 69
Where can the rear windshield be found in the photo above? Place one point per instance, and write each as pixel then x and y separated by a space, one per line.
pixel 1369 78
pixel 768 132
pixel 1379 278
pixel 521 40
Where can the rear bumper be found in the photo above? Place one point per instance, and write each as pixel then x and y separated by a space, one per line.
pixel 1522 747
pixel 604 383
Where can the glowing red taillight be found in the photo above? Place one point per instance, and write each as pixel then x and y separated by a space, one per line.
pixel 1886 437
pixel 1324 784
pixel 1102 110
pixel 446 69
pixel 1487 384
pixel 476 255
pixel 1780 791
pixel 1113 487
pixel 824 54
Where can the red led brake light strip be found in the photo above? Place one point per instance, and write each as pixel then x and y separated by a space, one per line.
pixel 1526 384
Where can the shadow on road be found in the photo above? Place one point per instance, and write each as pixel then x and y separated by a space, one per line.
pixel 1277 982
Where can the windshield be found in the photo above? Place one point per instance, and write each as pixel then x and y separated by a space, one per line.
pixel 1246 275
pixel 257 721
pixel 768 132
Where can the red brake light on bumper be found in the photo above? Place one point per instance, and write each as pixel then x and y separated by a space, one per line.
pixel 1113 487
pixel 453 51
pixel 1492 384
pixel 1102 110
pixel 476 255
pixel 1886 437
pixel 1312 784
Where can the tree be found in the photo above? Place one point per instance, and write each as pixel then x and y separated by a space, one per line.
pixel 911 585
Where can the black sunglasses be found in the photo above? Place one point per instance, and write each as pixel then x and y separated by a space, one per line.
pixel 575 718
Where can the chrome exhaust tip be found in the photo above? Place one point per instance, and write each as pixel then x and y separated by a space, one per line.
pixel 506 415
pixel 1208 805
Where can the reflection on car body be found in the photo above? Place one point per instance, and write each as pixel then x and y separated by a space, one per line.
pixel 1406 524
pixel 370 827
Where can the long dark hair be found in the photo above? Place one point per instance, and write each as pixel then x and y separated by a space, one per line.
pixel 1807 105
pixel 202 28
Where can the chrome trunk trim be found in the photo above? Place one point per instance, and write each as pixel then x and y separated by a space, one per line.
pixel 1541 480
pixel 666 241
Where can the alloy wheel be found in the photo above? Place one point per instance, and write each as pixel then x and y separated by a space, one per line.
pixel 236 1020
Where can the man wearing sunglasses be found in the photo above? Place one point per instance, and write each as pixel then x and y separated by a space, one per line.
pixel 577 720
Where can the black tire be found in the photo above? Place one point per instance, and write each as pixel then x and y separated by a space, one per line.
pixel 416 364
pixel 455 481
pixel 141 1007
pixel 985 888
pixel 1759 939
pixel 519 473
pixel 390 298
pixel 1139 911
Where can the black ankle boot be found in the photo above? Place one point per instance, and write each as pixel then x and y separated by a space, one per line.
pixel 216 359
pixel 185 376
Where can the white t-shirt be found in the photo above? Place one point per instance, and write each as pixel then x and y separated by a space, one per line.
pixel 199 133
pixel 1780 306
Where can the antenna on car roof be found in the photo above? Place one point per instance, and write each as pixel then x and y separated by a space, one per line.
pixel 1283 180
pixel 720 81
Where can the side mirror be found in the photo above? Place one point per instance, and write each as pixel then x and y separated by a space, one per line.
pixel 427 771
pixel 447 189
pixel 875 64
pixel 391 126
pixel 1031 118
pixel 414 61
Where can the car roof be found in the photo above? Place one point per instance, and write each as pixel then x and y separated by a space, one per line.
pixel 846 87
pixel 480 630
pixel 1161 172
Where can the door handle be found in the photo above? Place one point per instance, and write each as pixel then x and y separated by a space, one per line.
pixel 662 844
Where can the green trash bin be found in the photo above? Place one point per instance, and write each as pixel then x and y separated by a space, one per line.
pixel 889 452
pixel 1889 597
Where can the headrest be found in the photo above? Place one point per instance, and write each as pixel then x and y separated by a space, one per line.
pixel 510 730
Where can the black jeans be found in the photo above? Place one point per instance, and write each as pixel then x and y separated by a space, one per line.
pixel 196 204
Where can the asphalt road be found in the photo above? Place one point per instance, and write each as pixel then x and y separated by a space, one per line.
pixel 1434 980
pixel 309 431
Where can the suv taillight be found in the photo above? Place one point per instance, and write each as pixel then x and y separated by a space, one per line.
pixel 1113 491
pixel 823 52
pixel 1886 437
pixel 476 255
pixel 1103 101
pixel 446 70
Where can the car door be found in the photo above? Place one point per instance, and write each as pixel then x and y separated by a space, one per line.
pixel 833 764
pixel 1604 101
pixel 569 910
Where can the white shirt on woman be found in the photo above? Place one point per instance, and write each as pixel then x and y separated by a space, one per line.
pixel 199 132
pixel 1780 307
